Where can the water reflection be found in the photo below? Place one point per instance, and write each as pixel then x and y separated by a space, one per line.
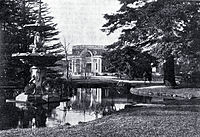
pixel 88 104
pixel 8 116
pixel 85 104
pixel 61 116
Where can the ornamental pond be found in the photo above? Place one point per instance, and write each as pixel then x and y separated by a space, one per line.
pixel 85 104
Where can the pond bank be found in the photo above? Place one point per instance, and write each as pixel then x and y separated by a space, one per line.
pixel 145 121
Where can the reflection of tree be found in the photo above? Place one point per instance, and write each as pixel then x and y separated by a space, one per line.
pixel 108 105
pixel 8 116
pixel 25 118
pixel 40 117
pixel 35 116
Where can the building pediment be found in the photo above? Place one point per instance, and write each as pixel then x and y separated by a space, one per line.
pixel 93 49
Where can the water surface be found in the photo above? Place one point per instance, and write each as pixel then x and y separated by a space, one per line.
pixel 86 104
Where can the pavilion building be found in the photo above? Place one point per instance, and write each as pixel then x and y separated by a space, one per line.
pixel 86 59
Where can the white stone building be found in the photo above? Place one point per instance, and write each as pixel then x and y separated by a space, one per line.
pixel 86 59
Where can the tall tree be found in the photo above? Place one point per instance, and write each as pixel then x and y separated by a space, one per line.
pixel 51 41
pixel 66 50
pixel 167 27
pixel 48 32
pixel 15 39
pixel 14 15
pixel 129 61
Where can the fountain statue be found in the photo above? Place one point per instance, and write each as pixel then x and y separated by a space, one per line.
pixel 38 89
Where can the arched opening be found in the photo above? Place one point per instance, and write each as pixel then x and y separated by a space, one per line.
pixel 86 53
pixel 86 57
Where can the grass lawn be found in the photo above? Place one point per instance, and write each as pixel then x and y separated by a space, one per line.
pixel 144 122
pixel 183 92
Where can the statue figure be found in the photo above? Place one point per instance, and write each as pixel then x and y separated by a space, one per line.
pixel 36 42
pixel 38 39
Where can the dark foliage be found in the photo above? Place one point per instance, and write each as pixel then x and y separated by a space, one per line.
pixel 166 27
pixel 129 61
pixel 14 14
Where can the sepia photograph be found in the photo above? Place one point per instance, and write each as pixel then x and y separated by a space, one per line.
pixel 99 68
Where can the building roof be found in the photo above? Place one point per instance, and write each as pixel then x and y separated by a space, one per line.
pixel 88 46
pixel 95 50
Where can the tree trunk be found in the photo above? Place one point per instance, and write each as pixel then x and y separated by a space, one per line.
pixel 67 61
pixel 169 75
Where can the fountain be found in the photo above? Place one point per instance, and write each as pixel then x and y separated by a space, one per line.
pixel 38 90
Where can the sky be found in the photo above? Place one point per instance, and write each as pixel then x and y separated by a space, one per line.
pixel 80 21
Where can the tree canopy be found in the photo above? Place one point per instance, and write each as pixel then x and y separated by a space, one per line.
pixel 129 61
pixel 166 27
pixel 14 15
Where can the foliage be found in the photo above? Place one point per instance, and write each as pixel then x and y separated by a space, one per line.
pixel 50 34
pixel 166 27
pixel 14 15
pixel 14 37
pixel 129 61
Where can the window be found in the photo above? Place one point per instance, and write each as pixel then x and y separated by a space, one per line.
pixel 70 65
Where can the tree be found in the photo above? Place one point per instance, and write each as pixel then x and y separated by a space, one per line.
pixel 15 38
pixel 129 61
pixel 48 31
pixel 65 46
pixel 167 27
pixel 14 15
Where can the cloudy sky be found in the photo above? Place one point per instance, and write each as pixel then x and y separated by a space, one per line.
pixel 80 21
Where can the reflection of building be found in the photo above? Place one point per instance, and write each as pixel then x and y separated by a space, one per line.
pixel 104 96
pixel 86 59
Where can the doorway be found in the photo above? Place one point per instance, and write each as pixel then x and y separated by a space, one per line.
pixel 88 67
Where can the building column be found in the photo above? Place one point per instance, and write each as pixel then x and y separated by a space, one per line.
pixel 100 65
pixel 81 65
pixel 74 65
pixel 80 60
pixel 92 65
